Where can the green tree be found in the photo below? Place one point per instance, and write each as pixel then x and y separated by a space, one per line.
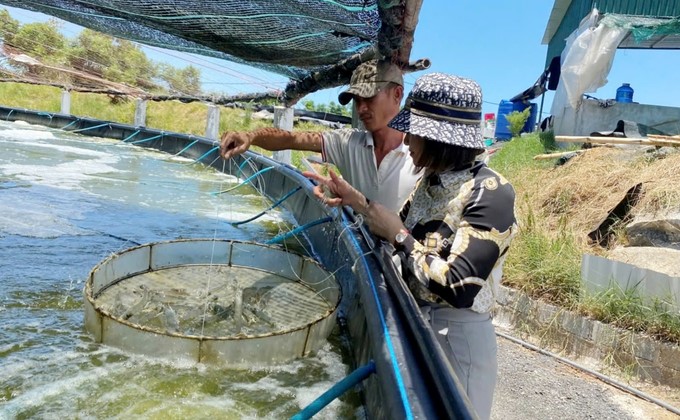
pixel 334 108
pixel 42 40
pixel 186 81
pixel 92 52
pixel 8 26
pixel 134 66
pixel 516 121
pixel 111 58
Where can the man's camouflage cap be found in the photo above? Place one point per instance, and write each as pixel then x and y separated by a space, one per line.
pixel 369 78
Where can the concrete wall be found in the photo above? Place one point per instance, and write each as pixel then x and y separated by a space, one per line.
pixel 590 116
pixel 585 340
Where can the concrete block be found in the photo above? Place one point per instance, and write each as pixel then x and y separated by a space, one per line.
pixel 605 336
pixel 547 313
pixel 645 348
pixel 586 331
pixel 571 323
pixel 624 360
pixel 649 373
pixel 579 347
pixel 624 342
pixel 65 102
pixel 669 377
pixel 669 356
pixel 524 304
pixel 504 296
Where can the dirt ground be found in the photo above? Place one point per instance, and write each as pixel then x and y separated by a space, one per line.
pixel 535 386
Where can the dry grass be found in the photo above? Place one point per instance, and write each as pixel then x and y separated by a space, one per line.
pixel 557 206
pixel 589 185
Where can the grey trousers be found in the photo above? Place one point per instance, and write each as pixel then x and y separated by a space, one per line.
pixel 469 342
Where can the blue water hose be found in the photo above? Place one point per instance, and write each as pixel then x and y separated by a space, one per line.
pixel 205 154
pixel 281 200
pixel 247 180
pixel 92 128
pixel 131 136
pixel 46 114
pixel 149 139
pixel 186 148
pixel 70 124
pixel 297 230
pixel 336 390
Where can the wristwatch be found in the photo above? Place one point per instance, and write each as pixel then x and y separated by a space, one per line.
pixel 401 236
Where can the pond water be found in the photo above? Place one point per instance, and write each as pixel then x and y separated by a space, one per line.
pixel 67 202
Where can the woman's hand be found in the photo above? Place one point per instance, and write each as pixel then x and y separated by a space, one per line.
pixel 335 191
pixel 383 222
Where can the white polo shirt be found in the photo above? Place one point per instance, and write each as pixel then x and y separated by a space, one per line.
pixel 352 152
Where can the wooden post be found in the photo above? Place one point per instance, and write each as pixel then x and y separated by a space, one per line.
pixel 668 141
pixel 283 119
pixel 212 127
pixel 140 113
pixel 65 102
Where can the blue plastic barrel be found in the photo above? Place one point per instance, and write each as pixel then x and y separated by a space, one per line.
pixel 624 93
pixel 505 108
pixel 502 130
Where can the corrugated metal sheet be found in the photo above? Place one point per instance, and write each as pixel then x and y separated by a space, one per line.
pixel 649 8
pixel 576 10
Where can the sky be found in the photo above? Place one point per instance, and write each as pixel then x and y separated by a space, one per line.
pixel 495 42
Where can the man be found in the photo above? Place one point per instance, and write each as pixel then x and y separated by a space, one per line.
pixel 375 160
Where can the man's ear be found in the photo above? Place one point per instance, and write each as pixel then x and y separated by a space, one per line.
pixel 398 93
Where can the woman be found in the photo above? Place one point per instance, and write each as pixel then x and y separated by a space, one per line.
pixel 455 229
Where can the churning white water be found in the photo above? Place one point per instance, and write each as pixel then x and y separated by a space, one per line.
pixel 66 203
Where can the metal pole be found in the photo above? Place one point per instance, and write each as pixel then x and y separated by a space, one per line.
pixel 540 111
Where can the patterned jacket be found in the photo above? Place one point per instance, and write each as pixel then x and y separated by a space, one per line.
pixel 462 223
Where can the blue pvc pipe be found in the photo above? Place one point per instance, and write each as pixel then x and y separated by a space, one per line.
pixel 70 124
pixel 186 148
pixel 90 128
pixel 336 390
pixel 247 180
pixel 250 219
pixel 149 139
pixel 131 136
pixel 297 230
pixel 206 153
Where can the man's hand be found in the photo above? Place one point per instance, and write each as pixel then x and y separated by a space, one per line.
pixel 234 143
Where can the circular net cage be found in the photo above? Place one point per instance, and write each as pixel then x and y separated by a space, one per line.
pixel 212 301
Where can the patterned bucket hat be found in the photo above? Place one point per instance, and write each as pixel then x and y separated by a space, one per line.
pixel 443 108
pixel 369 78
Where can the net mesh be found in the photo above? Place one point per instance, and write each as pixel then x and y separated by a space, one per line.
pixel 214 301
pixel 293 38
pixel 643 28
